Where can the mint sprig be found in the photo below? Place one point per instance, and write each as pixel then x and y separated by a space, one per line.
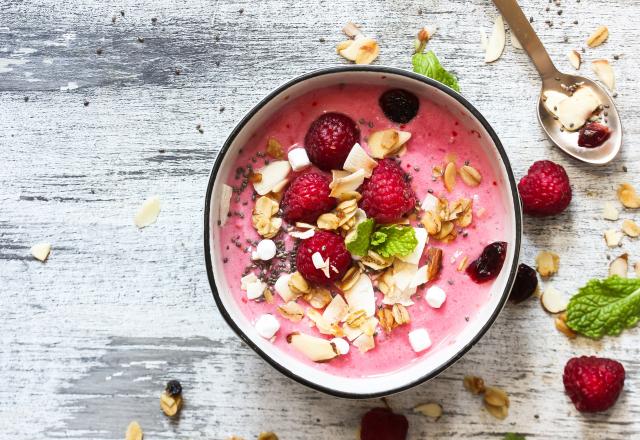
pixel 394 241
pixel 358 242
pixel 605 307
pixel 428 64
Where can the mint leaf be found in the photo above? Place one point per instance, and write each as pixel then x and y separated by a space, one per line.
pixel 358 243
pixel 427 64
pixel 378 238
pixel 512 436
pixel 605 307
pixel 399 241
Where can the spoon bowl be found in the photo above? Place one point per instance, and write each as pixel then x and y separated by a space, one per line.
pixel 554 80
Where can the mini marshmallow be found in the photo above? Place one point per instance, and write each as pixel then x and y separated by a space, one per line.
pixel 435 297
pixel 419 340
pixel 267 326
pixel 256 289
pixel 265 250
pixel 430 203
pixel 282 287
pixel 341 345
pixel 298 159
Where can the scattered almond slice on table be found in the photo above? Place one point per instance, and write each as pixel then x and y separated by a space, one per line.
pixel 41 251
pixel 628 196
pixel 620 266
pixel 610 212
pixel 547 263
pixel 496 41
pixel 359 49
pixel 553 300
pixel 598 37
pixel 496 402
pixel 604 71
pixel 134 431
pixel 612 238
pixel 433 410
pixel 575 59
pixel 631 228
pixel 148 212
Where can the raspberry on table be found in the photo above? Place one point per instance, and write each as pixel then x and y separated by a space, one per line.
pixel 593 384
pixel 387 195
pixel 545 190
pixel 330 139
pixel 330 246
pixel 307 197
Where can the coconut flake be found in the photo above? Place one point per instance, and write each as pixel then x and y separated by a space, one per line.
pixel 41 251
pixel 344 184
pixel 148 212
pixel 341 345
pixel 361 296
pixel 225 203
pixel 358 159
pixel 272 176
pixel 364 343
pixel 336 311
pixel 496 42
pixel 604 71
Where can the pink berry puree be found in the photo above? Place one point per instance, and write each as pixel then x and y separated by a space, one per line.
pixel 438 137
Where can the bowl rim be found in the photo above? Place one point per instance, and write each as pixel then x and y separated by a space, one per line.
pixel 516 206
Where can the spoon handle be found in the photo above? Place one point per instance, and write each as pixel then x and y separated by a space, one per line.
pixel 521 28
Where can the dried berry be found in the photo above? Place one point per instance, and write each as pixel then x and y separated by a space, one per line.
pixel 399 105
pixel 488 265
pixel 173 388
pixel 383 424
pixel 593 134
pixel 525 284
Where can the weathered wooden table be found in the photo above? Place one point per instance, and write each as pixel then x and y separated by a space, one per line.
pixel 99 103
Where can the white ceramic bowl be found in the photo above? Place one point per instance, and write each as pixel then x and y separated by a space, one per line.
pixel 429 365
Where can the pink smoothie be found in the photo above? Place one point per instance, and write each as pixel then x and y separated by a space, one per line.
pixel 436 135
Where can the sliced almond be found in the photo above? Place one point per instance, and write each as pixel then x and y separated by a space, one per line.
pixel 385 143
pixel 628 196
pixel 620 266
pixel 225 203
pixel 631 228
pixel 449 176
pixel 336 311
pixel 400 314
pixel 316 349
pixel 291 311
pixel 41 251
pixel 385 318
pixel 361 296
pixel 612 238
pixel 547 263
pixel 170 405
pixel 376 261
pixel 148 212
pixel 496 42
pixel 325 327
pixel 272 176
pixel 561 325
pixel 298 284
pixel 134 431
pixel 553 301
pixel 552 99
pixel 362 50
pixel 598 36
pixel 575 59
pixel 604 71
pixel 433 410
pixel 328 221
pixel 358 159
pixel 470 176
pixel 610 212
pixel 350 278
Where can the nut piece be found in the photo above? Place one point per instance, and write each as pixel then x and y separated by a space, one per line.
pixel 134 431
pixel 604 71
pixel 298 284
pixel 598 37
pixel 610 212
pixel 449 176
pixel 291 311
pixel 434 260
pixel 170 405
pixel 620 266
pixel 433 410
pixel 562 327
pixel 148 212
pixel 350 278
pixel 385 143
pixel 361 50
pixel 474 384
pixel 628 196
pixel 267 436
pixel 316 349
pixel 385 319
pixel 497 41
pixel 553 301
pixel 262 217
pixel 631 228
pixel 470 176
pixel 41 251
pixel 318 297
pixel 356 319
pixel 274 149
pixel 496 402
pixel 328 221
pixel 575 59
pixel 612 238
pixel 547 263
pixel 400 314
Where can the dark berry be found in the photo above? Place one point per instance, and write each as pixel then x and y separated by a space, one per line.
pixel 329 140
pixel 593 134
pixel 173 388
pixel 383 424
pixel 399 105
pixel 525 284
pixel 331 247
pixel 387 195
pixel 307 197
pixel 488 265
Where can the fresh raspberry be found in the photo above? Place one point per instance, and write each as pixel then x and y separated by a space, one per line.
pixel 387 195
pixel 331 246
pixel 307 197
pixel 330 139
pixel 593 384
pixel 545 190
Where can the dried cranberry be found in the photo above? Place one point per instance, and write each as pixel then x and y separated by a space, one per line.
pixel 399 105
pixel 487 266
pixel 593 134
pixel 383 424
pixel 525 284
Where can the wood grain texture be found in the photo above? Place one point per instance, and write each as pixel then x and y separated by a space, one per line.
pixel 88 338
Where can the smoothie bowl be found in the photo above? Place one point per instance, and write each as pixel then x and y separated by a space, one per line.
pixel 362 229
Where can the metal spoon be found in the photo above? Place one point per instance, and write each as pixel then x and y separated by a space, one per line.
pixel 552 79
